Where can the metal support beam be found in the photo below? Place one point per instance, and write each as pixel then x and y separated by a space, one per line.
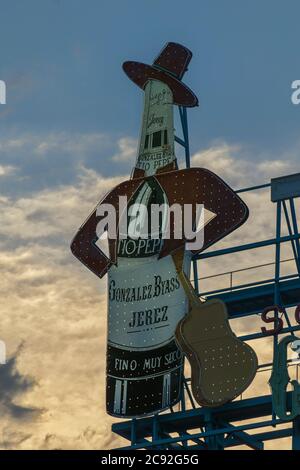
pixel 295 246
pixel 296 434
pixel 214 432
pixel 213 441
pixel 259 437
pixel 244 439
pixel 246 247
pixel 296 231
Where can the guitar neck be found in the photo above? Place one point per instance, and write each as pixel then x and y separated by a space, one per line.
pixel 178 259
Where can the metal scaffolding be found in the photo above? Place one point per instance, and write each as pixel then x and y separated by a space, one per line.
pixel 198 428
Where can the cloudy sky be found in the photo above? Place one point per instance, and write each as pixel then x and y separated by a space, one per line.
pixel 68 134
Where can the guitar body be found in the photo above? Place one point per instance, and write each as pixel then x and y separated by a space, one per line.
pixel 222 365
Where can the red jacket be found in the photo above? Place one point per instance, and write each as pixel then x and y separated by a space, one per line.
pixel 188 186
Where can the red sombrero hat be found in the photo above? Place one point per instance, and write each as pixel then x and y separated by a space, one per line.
pixel 169 67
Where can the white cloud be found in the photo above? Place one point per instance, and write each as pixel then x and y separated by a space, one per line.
pixel 7 170
pixel 240 168
pixel 45 144
pixel 273 168
pixel 127 148
pixel 57 308
pixel 53 212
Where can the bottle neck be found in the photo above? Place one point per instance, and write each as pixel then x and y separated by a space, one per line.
pixel 156 147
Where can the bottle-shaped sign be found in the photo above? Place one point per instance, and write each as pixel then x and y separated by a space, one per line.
pixel 145 300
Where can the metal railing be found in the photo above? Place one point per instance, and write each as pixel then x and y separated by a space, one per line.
pixel 232 288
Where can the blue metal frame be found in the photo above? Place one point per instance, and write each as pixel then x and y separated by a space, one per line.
pixel 217 430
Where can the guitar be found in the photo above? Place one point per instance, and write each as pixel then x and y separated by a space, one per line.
pixel 222 365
